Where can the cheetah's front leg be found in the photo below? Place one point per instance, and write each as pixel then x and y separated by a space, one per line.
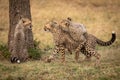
pixel 77 51
pixel 53 55
pixel 62 50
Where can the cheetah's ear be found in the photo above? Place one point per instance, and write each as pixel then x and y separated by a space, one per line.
pixel 70 19
pixel 21 16
pixel 23 20
pixel 67 23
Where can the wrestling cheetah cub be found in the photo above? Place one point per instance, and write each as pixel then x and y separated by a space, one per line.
pixel 62 40
pixel 88 48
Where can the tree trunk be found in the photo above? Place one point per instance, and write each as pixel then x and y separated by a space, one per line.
pixel 19 8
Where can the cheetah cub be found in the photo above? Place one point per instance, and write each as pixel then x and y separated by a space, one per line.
pixel 19 44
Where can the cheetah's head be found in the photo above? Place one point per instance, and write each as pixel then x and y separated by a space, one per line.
pixel 65 23
pixel 26 23
pixel 51 26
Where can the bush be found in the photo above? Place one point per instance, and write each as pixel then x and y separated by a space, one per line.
pixel 4 50
pixel 35 53
pixel 36 44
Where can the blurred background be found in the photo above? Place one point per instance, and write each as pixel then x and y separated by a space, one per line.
pixel 100 17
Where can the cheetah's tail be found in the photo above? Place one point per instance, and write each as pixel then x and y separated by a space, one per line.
pixel 102 43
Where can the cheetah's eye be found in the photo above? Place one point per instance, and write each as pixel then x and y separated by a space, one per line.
pixel 23 21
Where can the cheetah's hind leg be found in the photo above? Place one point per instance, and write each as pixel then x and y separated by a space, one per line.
pixel 94 53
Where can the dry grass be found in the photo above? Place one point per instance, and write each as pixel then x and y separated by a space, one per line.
pixel 100 17
pixel 100 20
pixel 38 70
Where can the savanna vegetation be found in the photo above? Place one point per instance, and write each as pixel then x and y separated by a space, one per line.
pixel 100 17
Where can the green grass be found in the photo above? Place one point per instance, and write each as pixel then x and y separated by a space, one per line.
pixel 109 69
pixel 100 17
pixel 4 53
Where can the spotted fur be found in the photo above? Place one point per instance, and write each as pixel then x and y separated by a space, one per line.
pixel 62 40
pixel 76 30
pixel 88 48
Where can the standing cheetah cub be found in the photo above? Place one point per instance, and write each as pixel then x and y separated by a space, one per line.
pixel 19 44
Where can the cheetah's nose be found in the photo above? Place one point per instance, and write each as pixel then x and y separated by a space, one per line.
pixel 31 27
